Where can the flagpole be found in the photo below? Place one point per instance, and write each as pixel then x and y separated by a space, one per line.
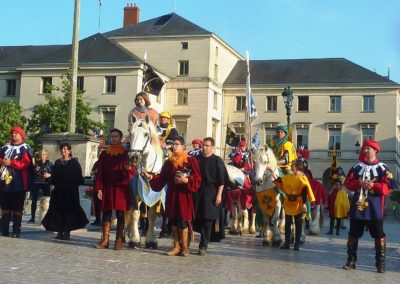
pixel 225 138
pixel 249 106
pixel 99 14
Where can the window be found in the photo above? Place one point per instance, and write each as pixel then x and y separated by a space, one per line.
pixel 335 104
pixel 302 137
pixel 110 84
pixel 108 117
pixel 270 136
pixel 46 82
pixel 272 103
pixel 182 97
pixel 334 138
pixel 303 103
pixel 240 130
pixel 80 84
pixel 11 87
pixel 216 72
pixel 185 45
pixel 184 68
pixel 368 103
pixel 181 126
pixel 240 103
pixel 215 103
pixel 368 133
pixel 214 129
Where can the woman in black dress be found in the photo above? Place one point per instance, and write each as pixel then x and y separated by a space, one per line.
pixel 65 213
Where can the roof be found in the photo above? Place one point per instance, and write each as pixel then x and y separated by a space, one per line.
pixel 93 49
pixel 166 25
pixel 304 71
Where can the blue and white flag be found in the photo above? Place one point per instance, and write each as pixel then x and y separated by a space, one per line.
pixel 256 140
pixel 250 104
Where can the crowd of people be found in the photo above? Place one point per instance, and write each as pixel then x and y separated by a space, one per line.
pixel 196 179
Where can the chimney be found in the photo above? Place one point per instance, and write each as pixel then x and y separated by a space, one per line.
pixel 131 14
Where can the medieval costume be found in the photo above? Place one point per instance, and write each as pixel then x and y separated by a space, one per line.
pixel 179 207
pixel 285 151
pixel 16 178
pixel 65 213
pixel 213 174
pixel 297 192
pixel 196 151
pixel 241 158
pixel 166 129
pixel 112 180
pixel 370 180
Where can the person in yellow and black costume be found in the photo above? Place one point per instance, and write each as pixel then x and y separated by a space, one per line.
pixel 297 193
pixel 285 151
pixel 167 132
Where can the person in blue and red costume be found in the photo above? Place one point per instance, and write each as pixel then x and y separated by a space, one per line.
pixel 241 158
pixel 285 151
pixel 370 180
pixel 16 178
pixel 196 151
pixel 182 174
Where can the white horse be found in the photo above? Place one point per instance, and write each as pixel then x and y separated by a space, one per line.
pixel 145 153
pixel 268 199
pixel 240 216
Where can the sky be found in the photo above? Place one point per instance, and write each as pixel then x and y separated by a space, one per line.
pixel 366 32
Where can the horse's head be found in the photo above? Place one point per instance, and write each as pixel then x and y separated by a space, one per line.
pixel 263 157
pixel 140 139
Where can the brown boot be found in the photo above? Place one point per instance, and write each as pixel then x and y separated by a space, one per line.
pixel 119 236
pixel 184 236
pixel 176 246
pixel 105 238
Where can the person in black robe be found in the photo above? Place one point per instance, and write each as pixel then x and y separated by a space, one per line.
pixel 65 213
pixel 209 197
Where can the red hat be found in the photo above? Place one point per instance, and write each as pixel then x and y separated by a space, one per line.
pixel 19 130
pixel 373 144
pixel 242 144
pixel 197 141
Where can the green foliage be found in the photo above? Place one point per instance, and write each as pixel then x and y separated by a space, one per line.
pixel 10 115
pixel 52 117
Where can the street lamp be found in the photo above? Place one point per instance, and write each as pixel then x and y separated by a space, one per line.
pixel 357 145
pixel 287 95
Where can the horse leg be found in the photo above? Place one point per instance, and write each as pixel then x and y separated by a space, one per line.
pixel 253 222
pixel 233 230
pixel 245 220
pixel 239 218
pixel 134 240
pixel 278 223
pixel 151 241
pixel 315 224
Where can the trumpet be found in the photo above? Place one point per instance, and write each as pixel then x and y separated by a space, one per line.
pixel 4 173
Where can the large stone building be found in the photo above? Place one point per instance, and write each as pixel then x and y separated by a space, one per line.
pixel 336 101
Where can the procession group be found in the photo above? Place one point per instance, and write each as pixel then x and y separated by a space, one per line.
pixel 196 187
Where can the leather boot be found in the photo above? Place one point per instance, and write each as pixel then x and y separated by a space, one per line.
pixel 119 235
pixel 5 222
pixel 184 237
pixel 380 251
pixel 338 226
pixel 105 237
pixel 352 245
pixel 331 225
pixel 17 219
pixel 176 245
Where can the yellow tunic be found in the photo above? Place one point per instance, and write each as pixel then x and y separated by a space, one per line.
pixel 342 204
pixel 292 185
pixel 280 151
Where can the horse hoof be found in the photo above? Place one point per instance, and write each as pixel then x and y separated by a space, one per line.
pixel 245 232
pixel 312 233
pixel 231 232
pixel 134 244
pixel 151 245
pixel 252 232
pixel 266 243
pixel 276 244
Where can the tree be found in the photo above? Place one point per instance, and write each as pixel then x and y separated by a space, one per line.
pixel 52 117
pixel 10 115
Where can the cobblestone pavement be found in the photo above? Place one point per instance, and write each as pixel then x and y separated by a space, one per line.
pixel 38 258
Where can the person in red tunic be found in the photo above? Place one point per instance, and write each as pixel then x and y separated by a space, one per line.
pixel 182 175
pixel 111 185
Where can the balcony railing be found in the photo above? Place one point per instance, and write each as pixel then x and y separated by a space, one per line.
pixel 338 153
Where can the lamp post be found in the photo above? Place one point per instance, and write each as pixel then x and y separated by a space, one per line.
pixel 287 95
pixel 357 145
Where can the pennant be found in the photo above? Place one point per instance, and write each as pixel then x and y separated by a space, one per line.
pixel 231 138
pixel 256 140
pixel 152 83
pixel 250 105
pixel 100 2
